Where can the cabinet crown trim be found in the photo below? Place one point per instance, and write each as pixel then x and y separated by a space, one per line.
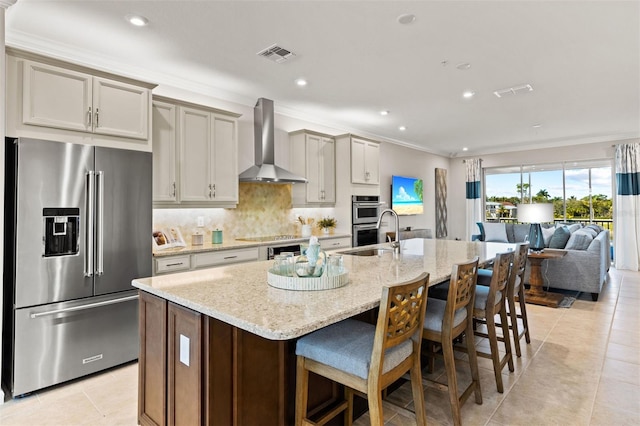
pixel 182 103
pixel 31 56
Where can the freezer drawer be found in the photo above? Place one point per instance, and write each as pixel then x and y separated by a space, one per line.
pixel 63 341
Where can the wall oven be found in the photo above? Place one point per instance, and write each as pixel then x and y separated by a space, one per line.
pixel 364 235
pixel 365 209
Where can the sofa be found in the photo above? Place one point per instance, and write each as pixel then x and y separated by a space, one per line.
pixel 586 264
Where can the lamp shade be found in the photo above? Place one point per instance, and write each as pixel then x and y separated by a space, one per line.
pixel 535 213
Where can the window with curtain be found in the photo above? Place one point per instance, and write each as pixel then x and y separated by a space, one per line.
pixel 581 191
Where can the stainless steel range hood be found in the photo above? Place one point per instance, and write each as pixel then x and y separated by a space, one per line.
pixel 264 170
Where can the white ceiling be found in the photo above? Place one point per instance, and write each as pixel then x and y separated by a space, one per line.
pixel 582 59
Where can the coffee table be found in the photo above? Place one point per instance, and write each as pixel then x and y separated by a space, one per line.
pixel 536 294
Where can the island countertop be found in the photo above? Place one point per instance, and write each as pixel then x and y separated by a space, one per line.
pixel 240 295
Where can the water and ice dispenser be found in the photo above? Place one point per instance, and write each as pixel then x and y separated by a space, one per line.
pixel 61 231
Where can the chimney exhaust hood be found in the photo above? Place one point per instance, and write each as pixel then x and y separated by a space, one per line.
pixel 264 170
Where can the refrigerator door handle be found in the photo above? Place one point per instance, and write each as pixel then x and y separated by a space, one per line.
pixel 88 234
pixel 100 223
pixel 83 307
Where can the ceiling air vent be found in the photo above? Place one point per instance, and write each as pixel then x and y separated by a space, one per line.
pixel 516 90
pixel 276 53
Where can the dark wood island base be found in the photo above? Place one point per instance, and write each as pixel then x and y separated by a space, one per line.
pixel 234 377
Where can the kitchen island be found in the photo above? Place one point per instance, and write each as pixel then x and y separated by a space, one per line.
pixel 217 345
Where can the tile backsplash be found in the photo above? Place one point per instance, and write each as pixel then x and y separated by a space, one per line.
pixel 263 209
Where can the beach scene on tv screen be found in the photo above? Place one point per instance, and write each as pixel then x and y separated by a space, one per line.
pixel 406 197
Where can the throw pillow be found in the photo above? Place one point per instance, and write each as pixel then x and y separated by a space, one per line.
pixel 521 232
pixel 574 227
pixel 579 240
pixel 595 227
pixel 547 233
pixel 589 231
pixel 481 227
pixel 495 232
pixel 560 237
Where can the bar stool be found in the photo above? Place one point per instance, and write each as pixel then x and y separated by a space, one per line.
pixel 367 358
pixel 447 320
pixel 515 290
pixel 491 301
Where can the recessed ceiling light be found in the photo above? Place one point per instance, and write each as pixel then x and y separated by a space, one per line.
pixel 384 112
pixel 537 126
pixel 406 19
pixel 464 66
pixel 465 149
pixel 301 82
pixel 468 94
pixel 137 20
pixel 402 128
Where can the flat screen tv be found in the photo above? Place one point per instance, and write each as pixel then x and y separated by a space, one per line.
pixel 406 195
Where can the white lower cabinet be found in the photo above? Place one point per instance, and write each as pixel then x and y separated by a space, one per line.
pixel 335 243
pixel 166 265
pixel 179 263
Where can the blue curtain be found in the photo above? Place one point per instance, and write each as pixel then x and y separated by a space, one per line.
pixel 627 209
pixel 474 195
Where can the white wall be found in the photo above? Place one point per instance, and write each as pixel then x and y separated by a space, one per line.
pixel 403 161
pixel 457 203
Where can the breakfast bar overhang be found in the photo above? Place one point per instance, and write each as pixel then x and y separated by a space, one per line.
pixel 217 346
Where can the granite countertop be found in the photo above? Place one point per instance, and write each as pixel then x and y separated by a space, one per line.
pixel 240 296
pixel 230 244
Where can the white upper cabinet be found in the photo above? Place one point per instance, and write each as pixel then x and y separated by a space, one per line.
pixel 365 161
pixel 313 155
pixel 195 163
pixel 55 97
pixel 67 99
pixel 195 155
pixel 165 155
pixel 61 101
pixel 121 109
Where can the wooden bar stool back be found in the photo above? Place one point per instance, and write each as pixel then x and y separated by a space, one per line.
pixel 491 301
pixel 447 320
pixel 516 291
pixel 367 358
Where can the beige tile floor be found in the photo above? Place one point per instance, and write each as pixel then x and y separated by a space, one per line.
pixel 581 368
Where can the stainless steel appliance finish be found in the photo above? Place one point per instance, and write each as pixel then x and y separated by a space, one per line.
pixel 77 226
pixel 272 251
pixel 265 169
pixel 364 235
pixel 365 210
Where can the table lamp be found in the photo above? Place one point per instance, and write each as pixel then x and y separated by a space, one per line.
pixel 535 214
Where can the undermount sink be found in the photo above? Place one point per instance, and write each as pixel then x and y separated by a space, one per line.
pixel 368 252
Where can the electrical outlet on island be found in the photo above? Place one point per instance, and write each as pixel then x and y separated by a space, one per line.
pixel 200 221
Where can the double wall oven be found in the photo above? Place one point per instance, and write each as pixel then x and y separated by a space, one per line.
pixel 365 210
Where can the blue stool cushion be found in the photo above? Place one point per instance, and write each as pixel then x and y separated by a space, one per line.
pixel 435 313
pixel 484 276
pixel 347 346
pixel 482 292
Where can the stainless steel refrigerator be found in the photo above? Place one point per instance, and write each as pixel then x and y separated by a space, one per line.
pixel 77 231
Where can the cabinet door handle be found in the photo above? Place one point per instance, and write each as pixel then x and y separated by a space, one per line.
pixel 210 190
pixel 97 117
pixel 230 257
pixel 89 117
pixel 173 193
pixel 214 190
pixel 175 264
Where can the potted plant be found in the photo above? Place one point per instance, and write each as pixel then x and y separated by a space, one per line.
pixel 327 224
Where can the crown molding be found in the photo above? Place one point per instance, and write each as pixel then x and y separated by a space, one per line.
pixel 5 4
